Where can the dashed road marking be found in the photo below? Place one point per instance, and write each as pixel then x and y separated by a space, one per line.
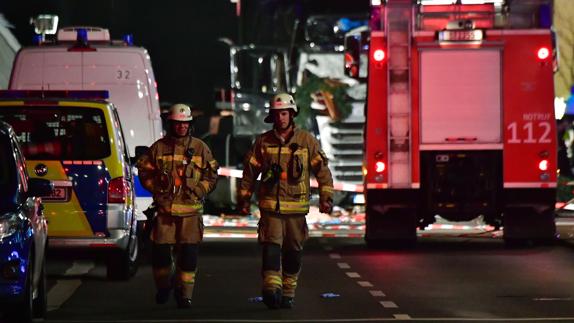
pixel 402 316
pixel 343 265
pixel 364 283
pixel 64 289
pixel 377 293
pixel 353 274
pixel 388 304
pixel 335 256
pixel 327 248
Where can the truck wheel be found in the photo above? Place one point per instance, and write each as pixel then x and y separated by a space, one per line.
pixel 122 264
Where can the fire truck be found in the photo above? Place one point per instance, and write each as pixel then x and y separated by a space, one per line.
pixel 459 116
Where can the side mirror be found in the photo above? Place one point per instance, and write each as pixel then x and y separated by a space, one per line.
pixel 140 151
pixel 40 187
pixel 356 47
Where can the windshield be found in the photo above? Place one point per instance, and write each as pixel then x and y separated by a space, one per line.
pixel 55 133
pixel 260 71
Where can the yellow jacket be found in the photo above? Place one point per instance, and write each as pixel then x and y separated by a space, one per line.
pixel 179 172
pixel 285 189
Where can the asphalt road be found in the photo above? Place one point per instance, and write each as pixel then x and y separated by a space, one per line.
pixel 448 276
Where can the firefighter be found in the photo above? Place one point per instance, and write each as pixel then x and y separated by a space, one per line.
pixel 284 156
pixel 180 171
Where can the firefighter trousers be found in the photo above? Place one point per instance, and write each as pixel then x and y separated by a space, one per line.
pixel 183 280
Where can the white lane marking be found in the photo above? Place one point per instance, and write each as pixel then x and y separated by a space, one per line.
pixel 364 283
pixel 553 299
pixel 334 256
pixel 370 319
pixel 327 248
pixel 343 265
pixel 64 289
pixel 388 304
pixel 353 274
pixel 377 293
pixel 402 316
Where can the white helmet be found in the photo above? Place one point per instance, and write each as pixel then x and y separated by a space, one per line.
pixel 180 112
pixel 281 101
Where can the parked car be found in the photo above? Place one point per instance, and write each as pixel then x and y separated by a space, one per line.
pixel 75 139
pixel 23 234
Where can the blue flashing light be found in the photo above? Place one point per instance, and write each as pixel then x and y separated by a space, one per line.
pixel 129 39
pixel 82 36
pixel 62 94
pixel 346 24
pixel 37 39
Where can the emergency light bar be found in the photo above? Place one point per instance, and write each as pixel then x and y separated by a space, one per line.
pixel 61 94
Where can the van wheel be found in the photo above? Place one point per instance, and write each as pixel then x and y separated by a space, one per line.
pixel 122 264
pixel 40 304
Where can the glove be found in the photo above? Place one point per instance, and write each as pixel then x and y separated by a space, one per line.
pixel 326 207
pixel 244 207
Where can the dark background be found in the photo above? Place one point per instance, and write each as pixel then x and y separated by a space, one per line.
pixel 182 36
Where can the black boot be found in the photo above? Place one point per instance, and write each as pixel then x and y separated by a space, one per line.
pixel 183 302
pixel 162 295
pixel 287 302
pixel 272 298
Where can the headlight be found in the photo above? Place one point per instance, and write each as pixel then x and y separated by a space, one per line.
pixel 9 224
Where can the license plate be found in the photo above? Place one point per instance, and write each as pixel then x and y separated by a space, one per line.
pixel 58 194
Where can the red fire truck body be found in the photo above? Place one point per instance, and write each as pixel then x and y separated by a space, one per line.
pixel 460 117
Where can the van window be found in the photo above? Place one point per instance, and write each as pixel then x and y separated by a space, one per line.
pixel 54 133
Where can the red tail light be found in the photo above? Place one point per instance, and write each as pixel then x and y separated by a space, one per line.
pixel 543 53
pixel 543 165
pixel 118 190
pixel 379 55
pixel 380 167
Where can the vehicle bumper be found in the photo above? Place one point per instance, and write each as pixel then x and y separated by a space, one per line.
pixel 118 239
pixel 14 258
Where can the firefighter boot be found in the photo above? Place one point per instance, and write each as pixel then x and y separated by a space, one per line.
pixel 272 289
pixel 184 290
pixel 162 277
pixel 289 286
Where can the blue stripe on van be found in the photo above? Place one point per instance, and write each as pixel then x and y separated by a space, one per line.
pixel 140 190
pixel 91 187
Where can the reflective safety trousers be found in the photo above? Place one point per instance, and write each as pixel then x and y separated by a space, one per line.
pixel 285 168
pixel 179 172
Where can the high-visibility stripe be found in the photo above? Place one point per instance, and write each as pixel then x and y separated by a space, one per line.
pixel 327 189
pixel 285 150
pixel 187 277
pixel 272 280
pixel 289 284
pixel 186 208
pixel 168 158
pixel 285 207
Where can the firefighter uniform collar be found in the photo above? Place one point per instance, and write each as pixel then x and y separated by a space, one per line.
pixel 281 139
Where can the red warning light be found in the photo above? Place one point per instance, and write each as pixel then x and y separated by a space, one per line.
pixel 543 53
pixel 379 55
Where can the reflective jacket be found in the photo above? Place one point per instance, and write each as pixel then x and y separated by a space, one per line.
pixel 285 169
pixel 179 172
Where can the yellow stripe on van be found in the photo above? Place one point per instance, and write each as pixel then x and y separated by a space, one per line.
pixel 11 103
pixel 82 104
pixel 66 219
